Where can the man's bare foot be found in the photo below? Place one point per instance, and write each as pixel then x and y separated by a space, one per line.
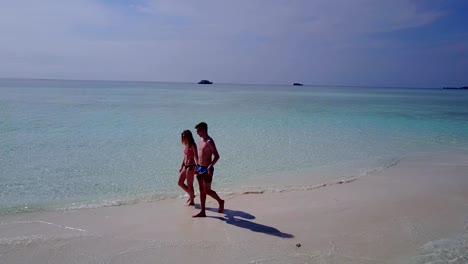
pixel 221 207
pixel 191 203
pixel 200 214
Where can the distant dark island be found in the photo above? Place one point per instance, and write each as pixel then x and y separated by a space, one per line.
pixel 298 84
pixel 205 82
pixel 457 88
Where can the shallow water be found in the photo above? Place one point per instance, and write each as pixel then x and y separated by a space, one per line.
pixel 77 144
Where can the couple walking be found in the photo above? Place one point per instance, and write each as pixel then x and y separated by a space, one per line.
pixel 199 162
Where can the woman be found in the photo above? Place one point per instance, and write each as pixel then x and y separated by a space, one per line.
pixel 189 165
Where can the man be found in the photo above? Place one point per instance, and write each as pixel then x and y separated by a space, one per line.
pixel 207 158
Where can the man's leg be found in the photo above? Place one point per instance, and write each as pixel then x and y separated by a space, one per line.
pixel 202 196
pixel 215 196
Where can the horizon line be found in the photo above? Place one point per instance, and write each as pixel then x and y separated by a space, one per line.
pixel 225 83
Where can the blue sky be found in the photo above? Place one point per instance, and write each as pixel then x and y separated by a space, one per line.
pixel 411 43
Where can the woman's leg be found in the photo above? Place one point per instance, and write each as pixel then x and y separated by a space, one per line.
pixel 181 182
pixel 190 173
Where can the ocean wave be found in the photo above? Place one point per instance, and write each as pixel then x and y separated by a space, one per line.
pixel 39 239
pixel 447 250
pixel 453 250
pixel 342 180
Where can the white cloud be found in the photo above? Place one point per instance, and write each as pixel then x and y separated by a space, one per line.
pixel 276 18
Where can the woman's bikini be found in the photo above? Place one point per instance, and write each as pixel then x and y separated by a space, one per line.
pixel 189 153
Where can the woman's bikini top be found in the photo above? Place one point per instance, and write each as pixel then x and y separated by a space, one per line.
pixel 188 152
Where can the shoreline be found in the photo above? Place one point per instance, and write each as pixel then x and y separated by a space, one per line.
pixel 267 183
pixel 412 212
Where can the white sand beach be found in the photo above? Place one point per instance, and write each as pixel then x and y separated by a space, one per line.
pixel 413 212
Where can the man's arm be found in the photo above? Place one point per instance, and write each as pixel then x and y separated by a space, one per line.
pixel 214 151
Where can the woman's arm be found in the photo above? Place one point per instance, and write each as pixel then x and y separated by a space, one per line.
pixel 195 153
pixel 182 165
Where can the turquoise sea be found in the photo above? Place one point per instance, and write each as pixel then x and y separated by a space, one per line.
pixel 81 144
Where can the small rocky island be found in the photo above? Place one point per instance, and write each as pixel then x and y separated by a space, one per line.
pixel 205 82
pixel 298 84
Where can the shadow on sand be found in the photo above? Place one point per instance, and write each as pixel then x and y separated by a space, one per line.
pixel 233 217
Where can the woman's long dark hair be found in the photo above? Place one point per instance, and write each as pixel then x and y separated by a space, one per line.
pixel 187 138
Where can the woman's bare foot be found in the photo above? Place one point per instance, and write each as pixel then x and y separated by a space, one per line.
pixel 200 214
pixel 221 207
pixel 191 200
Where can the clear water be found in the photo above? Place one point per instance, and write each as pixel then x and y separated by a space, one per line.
pixel 73 144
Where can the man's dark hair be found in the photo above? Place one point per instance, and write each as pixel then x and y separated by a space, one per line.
pixel 202 126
